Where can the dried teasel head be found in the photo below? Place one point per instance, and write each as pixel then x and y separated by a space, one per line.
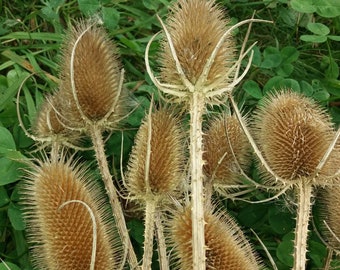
pixel 329 215
pixel 226 151
pixel 195 28
pixel 68 221
pixel 293 134
pixel 155 167
pixel 91 79
pixel 48 125
pixel 226 246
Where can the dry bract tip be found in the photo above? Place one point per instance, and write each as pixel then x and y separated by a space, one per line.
pixel 61 232
pixel 226 246
pixel 91 79
pixel 226 151
pixel 293 134
pixel 160 172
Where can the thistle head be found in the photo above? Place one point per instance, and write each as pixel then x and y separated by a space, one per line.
pixel 226 151
pixel 156 161
pixel 67 218
pixel 91 79
pixel 293 134
pixel 195 28
pixel 226 246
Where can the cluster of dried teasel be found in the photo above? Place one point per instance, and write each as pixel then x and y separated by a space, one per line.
pixel 175 167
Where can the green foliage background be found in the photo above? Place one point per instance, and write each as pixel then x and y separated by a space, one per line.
pixel 300 50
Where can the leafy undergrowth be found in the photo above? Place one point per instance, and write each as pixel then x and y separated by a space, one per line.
pixel 300 50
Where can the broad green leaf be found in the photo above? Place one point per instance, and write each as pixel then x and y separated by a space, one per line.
pixel 279 221
pixel 136 229
pixel 256 57
pixel 290 84
pixel 332 71
pixel 306 88
pixel 285 70
pixel 272 84
pixel 89 7
pixel 8 265
pixel 335 38
pixel 9 171
pixel 16 217
pixel 289 54
pixel 313 38
pixel 151 4
pixel 317 252
pixel 318 29
pixel 321 95
pixel 111 17
pixel 248 216
pixel 327 8
pixel 285 249
pixel 253 89
pixel 6 141
pixel 4 199
pixel 304 6
pixel 272 58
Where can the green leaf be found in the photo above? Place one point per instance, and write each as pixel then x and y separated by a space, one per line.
pixel 272 84
pixel 285 249
pixel 16 217
pixel 289 54
pixel 9 265
pixel 279 221
pixel 253 89
pixel 327 8
pixel 335 38
pixel 151 4
pixel 9 171
pixel 285 70
pixel 317 252
pixel 4 199
pixel 272 58
pixel 313 38
pixel 6 141
pixel 290 84
pixel 306 88
pixel 321 95
pixel 110 17
pixel 318 29
pixel 332 71
pixel 89 7
pixel 304 6
pixel 136 229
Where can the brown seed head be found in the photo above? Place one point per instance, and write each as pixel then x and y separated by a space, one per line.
pixel 166 158
pixel 293 134
pixel 227 247
pixel 195 27
pixel 96 76
pixel 223 142
pixel 62 236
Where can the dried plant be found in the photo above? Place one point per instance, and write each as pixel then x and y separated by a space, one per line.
pixel 69 223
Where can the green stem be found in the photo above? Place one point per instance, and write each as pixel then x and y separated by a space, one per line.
pixel 197 105
pixel 98 145
pixel 301 231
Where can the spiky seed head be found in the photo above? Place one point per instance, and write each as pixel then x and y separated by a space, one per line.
pixel 166 157
pixel 293 134
pixel 329 212
pixel 92 58
pixel 195 27
pixel 62 236
pixel 226 246
pixel 224 141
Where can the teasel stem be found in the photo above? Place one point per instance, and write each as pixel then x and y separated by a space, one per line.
pixel 98 145
pixel 304 204
pixel 197 105
pixel 163 259
pixel 150 209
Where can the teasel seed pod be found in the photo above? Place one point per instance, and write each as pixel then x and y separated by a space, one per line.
pixel 69 226
pixel 226 151
pixel 156 162
pixel 91 78
pixel 329 215
pixel 226 246
pixel 293 133
pixel 195 28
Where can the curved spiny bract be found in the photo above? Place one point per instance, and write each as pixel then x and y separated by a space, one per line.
pixel 90 78
pixel 166 159
pixel 195 27
pixel 62 235
pixel 226 246
pixel 293 134
pixel 224 141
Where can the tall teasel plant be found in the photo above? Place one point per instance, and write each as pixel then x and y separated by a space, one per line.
pixel 198 68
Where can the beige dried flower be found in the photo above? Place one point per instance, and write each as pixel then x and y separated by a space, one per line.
pixel 226 151
pixel 63 206
pixel 160 173
pixel 91 79
pixel 226 246
pixel 293 134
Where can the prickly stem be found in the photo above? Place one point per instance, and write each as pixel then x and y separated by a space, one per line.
pixel 150 209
